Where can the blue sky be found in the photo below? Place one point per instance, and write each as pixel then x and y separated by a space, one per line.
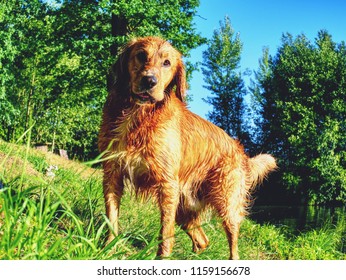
pixel 261 23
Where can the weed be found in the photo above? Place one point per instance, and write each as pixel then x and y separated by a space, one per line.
pixel 63 218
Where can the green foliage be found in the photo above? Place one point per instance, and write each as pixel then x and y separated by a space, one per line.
pixel 221 64
pixel 8 50
pixel 317 245
pixel 61 217
pixel 301 93
pixel 171 19
pixel 54 60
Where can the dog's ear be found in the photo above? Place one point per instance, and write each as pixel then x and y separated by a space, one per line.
pixel 180 81
pixel 118 75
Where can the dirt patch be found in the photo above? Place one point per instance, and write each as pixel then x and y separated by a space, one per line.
pixel 84 171
pixel 13 166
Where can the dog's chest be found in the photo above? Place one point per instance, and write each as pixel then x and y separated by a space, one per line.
pixel 145 147
pixel 130 149
pixel 130 158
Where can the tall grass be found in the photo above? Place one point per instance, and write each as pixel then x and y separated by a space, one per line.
pixel 63 218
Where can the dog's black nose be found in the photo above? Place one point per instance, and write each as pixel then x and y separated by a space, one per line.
pixel 148 82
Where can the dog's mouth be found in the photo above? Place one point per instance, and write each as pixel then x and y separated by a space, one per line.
pixel 143 98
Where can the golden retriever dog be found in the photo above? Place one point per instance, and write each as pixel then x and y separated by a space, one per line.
pixel 149 138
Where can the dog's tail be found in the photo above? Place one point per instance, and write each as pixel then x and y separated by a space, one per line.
pixel 259 167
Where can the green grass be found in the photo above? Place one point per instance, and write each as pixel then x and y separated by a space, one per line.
pixel 63 218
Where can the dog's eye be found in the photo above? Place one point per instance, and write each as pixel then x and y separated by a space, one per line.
pixel 141 56
pixel 166 63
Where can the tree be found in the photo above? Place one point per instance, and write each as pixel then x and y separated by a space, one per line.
pixel 56 57
pixel 8 50
pixel 170 19
pixel 301 93
pixel 262 96
pixel 224 81
pixel 18 52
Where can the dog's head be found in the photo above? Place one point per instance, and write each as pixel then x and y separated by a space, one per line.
pixel 151 68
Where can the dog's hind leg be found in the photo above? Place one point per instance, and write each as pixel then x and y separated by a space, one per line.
pixel 232 232
pixel 231 224
pixel 231 207
pixel 191 223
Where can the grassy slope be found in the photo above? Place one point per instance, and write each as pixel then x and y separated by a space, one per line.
pixel 63 218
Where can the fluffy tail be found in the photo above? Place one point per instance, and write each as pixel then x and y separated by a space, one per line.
pixel 260 166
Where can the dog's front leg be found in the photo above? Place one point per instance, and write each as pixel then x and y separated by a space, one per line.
pixel 168 200
pixel 112 189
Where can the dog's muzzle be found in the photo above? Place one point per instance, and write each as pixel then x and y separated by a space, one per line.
pixel 146 84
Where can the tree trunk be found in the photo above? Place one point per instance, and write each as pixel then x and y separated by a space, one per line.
pixel 119 28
